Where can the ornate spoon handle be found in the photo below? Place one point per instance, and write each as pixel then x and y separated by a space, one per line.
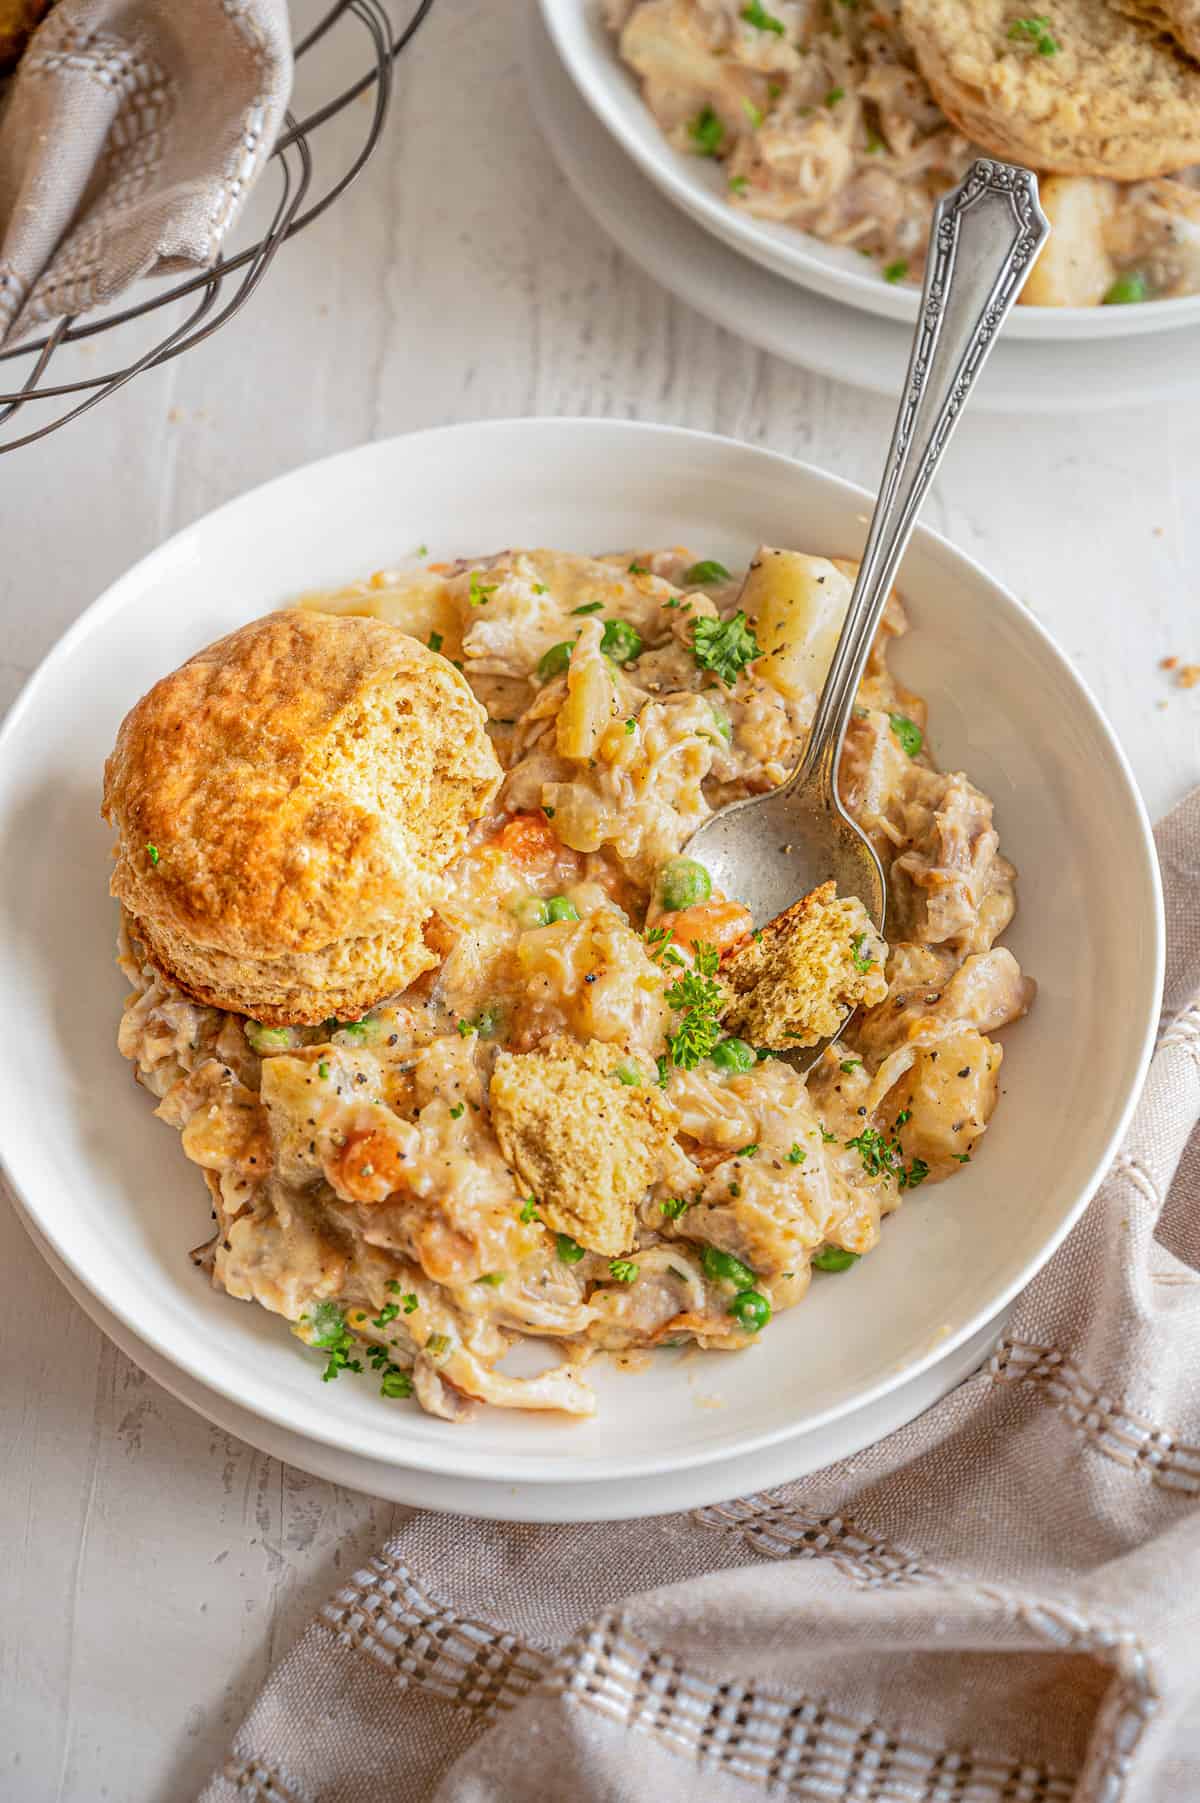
pixel 986 234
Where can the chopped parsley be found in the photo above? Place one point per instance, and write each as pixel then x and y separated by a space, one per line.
pixel 330 1333
pixel 851 1064
pixel 1036 31
pixel 411 1301
pixel 480 593
pixel 883 1157
pixel 699 999
pixel 756 14
pixel 638 569
pixel 828 1137
pixel 539 588
pixel 724 646
pixel 858 956
pixel 421 551
pixel 589 607
pixel 622 1270
pixel 631 726
pixel 569 1251
pixel 493 1279
pixel 707 132
pixel 834 95
pixel 875 144
pixel 528 1208
pixel 674 1206
pixel 663 1064
pixel 753 113
pixel 152 852
pixel 797 1155
pixel 895 272
pixel 436 641
pixel 962 1157
pixel 458 1110
pixel 708 569
pixel 908 732
pixel 323 1069
pixel 738 184
pixel 749 1151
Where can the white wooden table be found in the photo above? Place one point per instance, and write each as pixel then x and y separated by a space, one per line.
pixel 153 1568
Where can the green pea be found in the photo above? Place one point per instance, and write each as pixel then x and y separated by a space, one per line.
pixel 554 662
pixel 561 907
pixel 723 1267
pixel 569 1250
pixel 622 642
pixel 682 883
pixel 834 1258
pixel 532 911
pixel 708 570
pixel 1126 290
pixel 751 1309
pixel 268 1039
pixel 734 1055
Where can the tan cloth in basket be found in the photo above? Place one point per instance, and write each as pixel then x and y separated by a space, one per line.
pixel 130 136
pixel 998 1604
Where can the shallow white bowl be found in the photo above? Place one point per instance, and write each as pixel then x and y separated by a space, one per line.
pixel 109 1188
pixel 696 184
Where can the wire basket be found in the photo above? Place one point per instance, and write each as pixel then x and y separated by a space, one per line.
pixel 222 290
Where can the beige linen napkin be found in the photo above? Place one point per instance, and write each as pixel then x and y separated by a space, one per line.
pixel 998 1604
pixel 130 136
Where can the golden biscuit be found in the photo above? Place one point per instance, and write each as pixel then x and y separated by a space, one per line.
pixel 286 802
pixel 796 981
pixel 1081 90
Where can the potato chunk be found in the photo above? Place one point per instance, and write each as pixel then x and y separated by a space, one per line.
pixel 797 604
pixel 1073 268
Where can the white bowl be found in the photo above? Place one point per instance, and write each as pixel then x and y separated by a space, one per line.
pixel 108 1186
pixel 696 184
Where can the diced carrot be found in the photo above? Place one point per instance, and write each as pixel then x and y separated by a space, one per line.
pixel 529 839
pixel 719 923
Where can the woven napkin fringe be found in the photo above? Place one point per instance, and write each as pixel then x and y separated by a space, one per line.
pixel 996 1604
pixel 129 139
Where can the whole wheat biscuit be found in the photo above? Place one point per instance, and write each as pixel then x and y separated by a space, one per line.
pixel 1081 90
pixel 286 802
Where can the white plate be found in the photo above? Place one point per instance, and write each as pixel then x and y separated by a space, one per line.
pixel 109 1187
pixel 697 185
pixel 805 327
pixel 499 1500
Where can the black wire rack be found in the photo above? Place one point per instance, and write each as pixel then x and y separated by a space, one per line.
pixel 222 290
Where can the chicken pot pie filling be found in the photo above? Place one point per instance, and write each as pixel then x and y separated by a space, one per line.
pixel 578 1126
pixel 820 118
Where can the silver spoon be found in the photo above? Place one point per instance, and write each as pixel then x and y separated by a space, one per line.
pixel 771 849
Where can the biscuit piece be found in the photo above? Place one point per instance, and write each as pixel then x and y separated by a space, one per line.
pixel 795 983
pixel 588 1145
pixel 19 20
pixel 286 803
pixel 1082 90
